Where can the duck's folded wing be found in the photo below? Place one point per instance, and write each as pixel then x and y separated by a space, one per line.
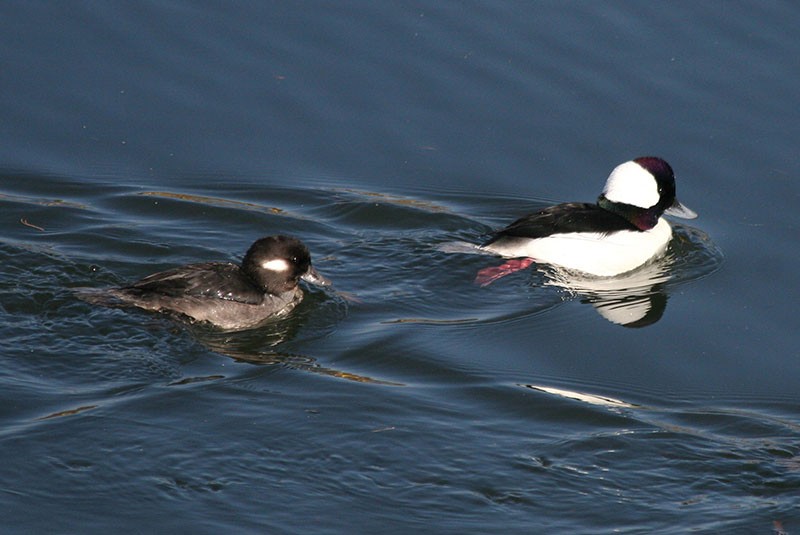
pixel 565 218
pixel 212 279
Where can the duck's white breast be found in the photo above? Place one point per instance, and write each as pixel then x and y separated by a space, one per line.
pixel 595 253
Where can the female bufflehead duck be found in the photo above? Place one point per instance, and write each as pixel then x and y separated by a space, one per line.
pixel 619 233
pixel 223 294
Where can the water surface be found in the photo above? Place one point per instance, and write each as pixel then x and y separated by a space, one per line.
pixel 139 137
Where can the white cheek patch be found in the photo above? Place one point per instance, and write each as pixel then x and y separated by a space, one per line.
pixel 276 264
pixel 630 183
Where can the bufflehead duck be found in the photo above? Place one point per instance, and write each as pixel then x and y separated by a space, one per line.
pixel 223 294
pixel 619 233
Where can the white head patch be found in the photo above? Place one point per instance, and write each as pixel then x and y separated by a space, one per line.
pixel 630 183
pixel 276 264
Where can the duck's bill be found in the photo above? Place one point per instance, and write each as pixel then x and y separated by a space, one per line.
pixel 312 276
pixel 679 210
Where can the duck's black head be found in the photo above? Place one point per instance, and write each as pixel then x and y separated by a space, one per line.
pixel 642 190
pixel 277 263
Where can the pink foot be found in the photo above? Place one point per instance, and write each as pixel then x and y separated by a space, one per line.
pixel 486 276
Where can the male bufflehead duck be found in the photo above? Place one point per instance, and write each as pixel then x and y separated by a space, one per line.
pixel 223 294
pixel 619 233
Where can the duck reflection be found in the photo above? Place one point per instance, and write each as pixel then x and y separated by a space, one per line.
pixel 260 346
pixel 636 299
pixel 639 298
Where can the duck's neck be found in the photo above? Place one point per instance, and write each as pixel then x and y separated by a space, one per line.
pixel 642 218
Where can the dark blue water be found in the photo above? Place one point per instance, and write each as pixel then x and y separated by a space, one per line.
pixel 136 137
